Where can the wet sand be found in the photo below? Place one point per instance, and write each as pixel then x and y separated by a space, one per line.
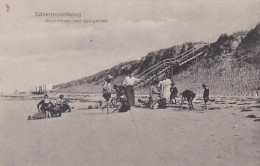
pixel 222 135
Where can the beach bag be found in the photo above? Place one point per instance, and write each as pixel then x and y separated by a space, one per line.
pixel 162 103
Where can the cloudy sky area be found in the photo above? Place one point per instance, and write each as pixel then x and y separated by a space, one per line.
pixel 33 52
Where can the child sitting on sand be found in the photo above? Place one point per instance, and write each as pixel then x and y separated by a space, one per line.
pixel 205 95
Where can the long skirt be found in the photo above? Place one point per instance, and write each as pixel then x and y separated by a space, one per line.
pixel 130 96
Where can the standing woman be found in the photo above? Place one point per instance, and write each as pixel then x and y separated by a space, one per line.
pixel 166 88
pixel 129 83
pixel 107 90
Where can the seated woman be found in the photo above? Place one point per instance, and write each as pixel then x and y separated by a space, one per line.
pixel 121 105
pixel 62 104
pixel 44 107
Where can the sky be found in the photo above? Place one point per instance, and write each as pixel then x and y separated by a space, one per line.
pixel 33 52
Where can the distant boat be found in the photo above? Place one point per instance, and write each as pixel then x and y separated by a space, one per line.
pixel 42 89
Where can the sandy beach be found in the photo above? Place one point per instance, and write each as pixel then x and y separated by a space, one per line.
pixel 222 135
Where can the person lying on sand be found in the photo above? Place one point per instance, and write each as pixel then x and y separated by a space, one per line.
pixel 205 95
pixel 146 103
pixel 97 105
pixel 189 95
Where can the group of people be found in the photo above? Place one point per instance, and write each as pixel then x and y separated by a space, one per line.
pixel 46 109
pixel 125 96
pixel 165 92
pixel 161 93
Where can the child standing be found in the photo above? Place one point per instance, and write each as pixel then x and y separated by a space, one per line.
pixel 206 94
pixel 174 92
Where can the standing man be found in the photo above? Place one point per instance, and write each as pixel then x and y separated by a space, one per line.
pixel 205 95
pixel 129 83
pixel 107 90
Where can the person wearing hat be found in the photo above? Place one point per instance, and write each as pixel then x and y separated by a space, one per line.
pixel 205 94
pixel 107 90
